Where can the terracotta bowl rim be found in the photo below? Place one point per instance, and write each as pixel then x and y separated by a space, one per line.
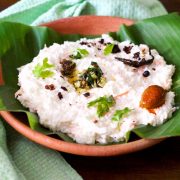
pixel 79 149
pixel 75 148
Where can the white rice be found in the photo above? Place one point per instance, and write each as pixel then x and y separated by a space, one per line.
pixel 71 114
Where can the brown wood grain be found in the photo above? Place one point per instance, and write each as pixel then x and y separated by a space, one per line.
pixel 161 162
pixel 5 3
pixel 172 5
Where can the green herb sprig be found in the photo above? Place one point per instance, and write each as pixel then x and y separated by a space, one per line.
pixel 108 49
pixel 103 104
pixel 79 54
pixel 120 114
pixel 43 70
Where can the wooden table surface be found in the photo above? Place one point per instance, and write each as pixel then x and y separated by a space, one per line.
pixel 161 162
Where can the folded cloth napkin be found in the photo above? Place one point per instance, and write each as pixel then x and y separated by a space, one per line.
pixel 36 12
pixel 20 158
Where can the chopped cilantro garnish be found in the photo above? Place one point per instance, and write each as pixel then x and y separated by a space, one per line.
pixel 108 49
pixel 79 54
pixel 119 114
pixel 83 52
pixel 102 104
pixel 43 70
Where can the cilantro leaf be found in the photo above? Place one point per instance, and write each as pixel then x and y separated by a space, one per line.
pixel 102 104
pixel 46 74
pixel 83 52
pixel 79 54
pixel 108 49
pixel 119 114
pixel 43 70
pixel 76 55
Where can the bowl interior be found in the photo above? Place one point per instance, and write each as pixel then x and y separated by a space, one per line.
pixel 85 25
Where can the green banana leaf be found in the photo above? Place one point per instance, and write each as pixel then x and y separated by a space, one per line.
pixel 20 43
pixel 161 33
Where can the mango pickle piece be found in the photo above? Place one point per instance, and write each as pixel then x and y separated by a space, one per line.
pixel 153 97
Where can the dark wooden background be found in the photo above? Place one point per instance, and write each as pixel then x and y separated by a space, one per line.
pixel 161 162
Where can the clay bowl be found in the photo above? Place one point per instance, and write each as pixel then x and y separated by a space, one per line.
pixel 86 25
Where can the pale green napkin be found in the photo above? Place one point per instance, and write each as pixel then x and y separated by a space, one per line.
pixel 39 11
pixel 21 159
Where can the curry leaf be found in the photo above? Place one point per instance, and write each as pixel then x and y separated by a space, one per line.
pixel 90 78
